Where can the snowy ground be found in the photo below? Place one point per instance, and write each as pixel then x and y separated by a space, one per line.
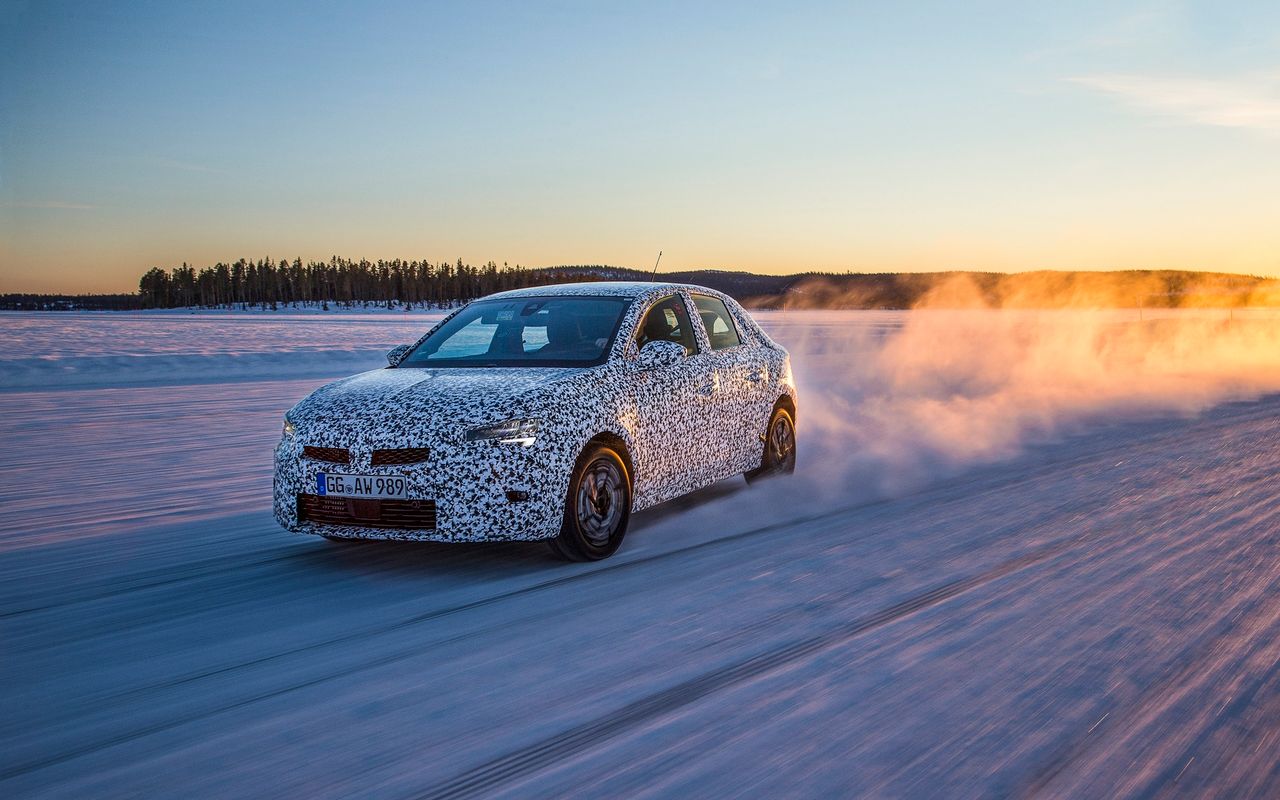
pixel 1024 555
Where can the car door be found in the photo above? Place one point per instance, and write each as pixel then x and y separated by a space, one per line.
pixel 671 405
pixel 742 407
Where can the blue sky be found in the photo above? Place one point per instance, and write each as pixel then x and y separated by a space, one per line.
pixel 770 137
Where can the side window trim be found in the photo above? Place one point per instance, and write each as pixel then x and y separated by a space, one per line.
pixel 695 324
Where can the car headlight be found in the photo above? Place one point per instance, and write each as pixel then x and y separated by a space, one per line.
pixel 289 428
pixel 511 431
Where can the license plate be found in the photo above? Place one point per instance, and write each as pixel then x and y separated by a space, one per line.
pixel 374 486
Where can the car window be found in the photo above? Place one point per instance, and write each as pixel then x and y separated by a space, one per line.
pixel 472 339
pixel 668 321
pixel 535 338
pixel 717 321
pixel 523 332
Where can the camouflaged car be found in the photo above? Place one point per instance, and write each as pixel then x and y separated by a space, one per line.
pixel 545 413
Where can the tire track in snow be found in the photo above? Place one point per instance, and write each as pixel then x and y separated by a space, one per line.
pixel 1262 606
pixel 550 751
pixel 67 755
pixel 952 494
pixel 1261 512
pixel 1045 519
pixel 553 749
pixel 1201 652
pixel 1066 567
pixel 1176 766
pixel 789 653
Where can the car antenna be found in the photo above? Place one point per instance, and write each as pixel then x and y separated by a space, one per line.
pixel 654 274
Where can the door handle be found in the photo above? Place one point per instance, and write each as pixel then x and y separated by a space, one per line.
pixel 755 376
pixel 707 390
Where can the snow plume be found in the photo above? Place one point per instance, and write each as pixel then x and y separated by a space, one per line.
pixel 956 382
pixel 1045 289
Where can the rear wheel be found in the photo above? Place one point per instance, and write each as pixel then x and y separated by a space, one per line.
pixel 597 506
pixel 779 447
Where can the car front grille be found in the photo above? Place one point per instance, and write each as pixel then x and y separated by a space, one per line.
pixel 399 455
pixel 334 455
pixel 395 514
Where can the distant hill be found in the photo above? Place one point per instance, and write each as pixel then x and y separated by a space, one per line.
pixel 346 283
pixel 1040 289
pixel 740 285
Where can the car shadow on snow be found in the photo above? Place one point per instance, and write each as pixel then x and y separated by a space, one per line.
pixel 489 559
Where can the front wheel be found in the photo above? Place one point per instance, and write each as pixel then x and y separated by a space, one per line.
pixel 597 506
pixel 779 447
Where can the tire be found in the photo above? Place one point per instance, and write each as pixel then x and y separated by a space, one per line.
pixel 597 506
pixel 779 447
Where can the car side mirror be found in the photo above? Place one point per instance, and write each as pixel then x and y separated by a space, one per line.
pixel 396 354
pixel 659 353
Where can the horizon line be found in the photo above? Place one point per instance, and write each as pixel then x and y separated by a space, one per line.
pixel 960 270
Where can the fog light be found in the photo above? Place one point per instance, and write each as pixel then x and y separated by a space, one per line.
pixel 514 496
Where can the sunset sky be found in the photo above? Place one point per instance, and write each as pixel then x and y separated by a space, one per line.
pixel 768 137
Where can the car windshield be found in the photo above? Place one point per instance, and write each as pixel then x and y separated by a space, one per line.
pixel 524 332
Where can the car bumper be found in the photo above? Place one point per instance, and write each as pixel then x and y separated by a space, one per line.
pixel 471 492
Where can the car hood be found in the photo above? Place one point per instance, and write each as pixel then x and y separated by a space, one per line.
pixel 385 406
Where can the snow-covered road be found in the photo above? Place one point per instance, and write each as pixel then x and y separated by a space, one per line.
pixel 1088 609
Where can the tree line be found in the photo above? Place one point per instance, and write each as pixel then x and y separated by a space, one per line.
pixel 344 282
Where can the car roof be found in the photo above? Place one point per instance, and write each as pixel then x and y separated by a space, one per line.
pixel 632 289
